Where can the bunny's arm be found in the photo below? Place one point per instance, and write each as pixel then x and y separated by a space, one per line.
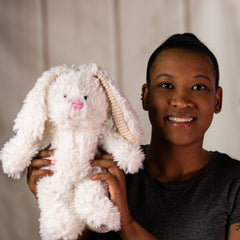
pixel 17 154
pixel 128 156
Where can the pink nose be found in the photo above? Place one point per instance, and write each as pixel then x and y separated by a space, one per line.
pixel 77 105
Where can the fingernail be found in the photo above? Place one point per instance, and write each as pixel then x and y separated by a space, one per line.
pixel 53 162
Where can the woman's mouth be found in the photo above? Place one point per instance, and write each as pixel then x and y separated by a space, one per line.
pixel 180 119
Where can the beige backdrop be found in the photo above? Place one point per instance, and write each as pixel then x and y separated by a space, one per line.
pixel 119 35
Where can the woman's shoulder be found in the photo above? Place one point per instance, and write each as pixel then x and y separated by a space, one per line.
pixel 226 160
pixel 226 165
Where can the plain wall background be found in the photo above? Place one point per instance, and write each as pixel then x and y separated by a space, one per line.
pixel 119 35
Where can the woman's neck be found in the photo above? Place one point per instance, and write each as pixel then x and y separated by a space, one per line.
pixel 175 164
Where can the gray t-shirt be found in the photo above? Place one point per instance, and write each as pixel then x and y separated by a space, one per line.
pixel 199 209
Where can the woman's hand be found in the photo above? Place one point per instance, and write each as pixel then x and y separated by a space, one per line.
pixel 117 185
pixel 130 229
pixel 35 172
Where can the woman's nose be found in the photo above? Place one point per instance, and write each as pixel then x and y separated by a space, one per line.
pixel 181 100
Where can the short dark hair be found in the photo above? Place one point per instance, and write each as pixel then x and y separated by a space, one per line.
pixel 187 41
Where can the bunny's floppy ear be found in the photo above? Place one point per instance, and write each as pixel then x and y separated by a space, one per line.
pixel 31 119
pixel 29 126
pixel 124 117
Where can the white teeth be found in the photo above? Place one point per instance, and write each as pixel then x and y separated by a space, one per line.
pixel 180 120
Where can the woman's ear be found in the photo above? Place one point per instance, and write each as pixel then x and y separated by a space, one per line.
pixel 218 103
pixel 144 97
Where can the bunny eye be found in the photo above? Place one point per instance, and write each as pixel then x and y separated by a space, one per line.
pixel 85 97
pixel 65 96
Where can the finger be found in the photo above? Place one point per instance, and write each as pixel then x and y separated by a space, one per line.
pixel 45 154
pixel 116 185
pixel 103 156
pixel 105 176
pixel 34 176
pixel 105 163
pixel 37 174
pixel 110 165
pixel 35 166
pixel 38 163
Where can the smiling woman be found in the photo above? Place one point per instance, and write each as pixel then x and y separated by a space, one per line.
pixel 181 94
pixel 183 191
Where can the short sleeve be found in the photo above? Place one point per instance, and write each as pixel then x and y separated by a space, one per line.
pixel 235 214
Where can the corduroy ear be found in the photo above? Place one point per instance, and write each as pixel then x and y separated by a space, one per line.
pixel 31 119
pixel 123 115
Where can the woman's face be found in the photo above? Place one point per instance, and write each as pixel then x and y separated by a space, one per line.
pixel 182 97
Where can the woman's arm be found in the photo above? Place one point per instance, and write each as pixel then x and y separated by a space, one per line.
pixel 115 178
pixel 234 232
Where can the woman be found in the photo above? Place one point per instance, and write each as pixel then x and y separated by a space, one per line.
pixel 184 191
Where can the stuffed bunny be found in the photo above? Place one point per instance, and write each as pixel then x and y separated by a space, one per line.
pixel 68 108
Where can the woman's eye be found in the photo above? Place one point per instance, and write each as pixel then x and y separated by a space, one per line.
pixel 166 85
pixel 198 87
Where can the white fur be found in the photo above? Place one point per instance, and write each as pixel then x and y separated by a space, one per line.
pixel 69 201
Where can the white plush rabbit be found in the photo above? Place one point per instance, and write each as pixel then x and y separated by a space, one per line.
pixel 68 108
